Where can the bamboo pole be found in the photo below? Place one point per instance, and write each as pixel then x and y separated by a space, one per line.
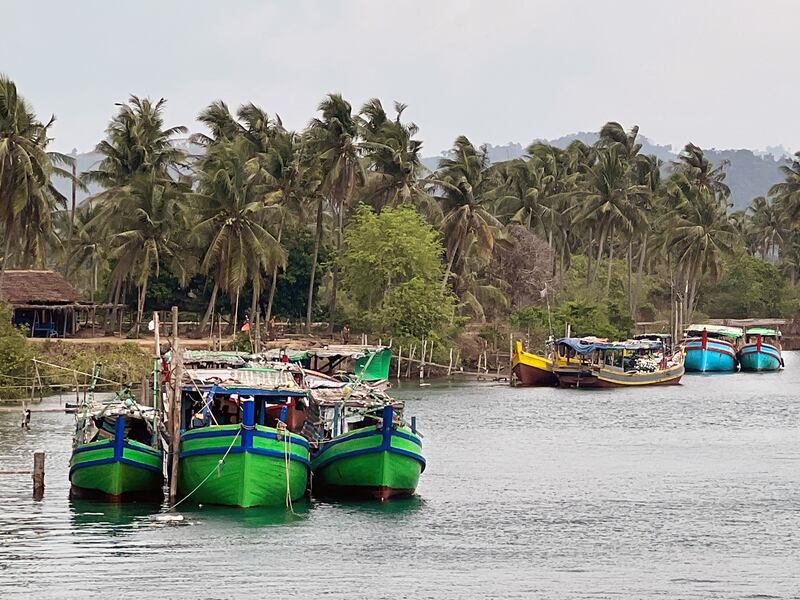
pixel 430 359
pixel 175 412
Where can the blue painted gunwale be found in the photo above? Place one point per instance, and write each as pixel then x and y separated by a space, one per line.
pixel 205 432
pixel 113 459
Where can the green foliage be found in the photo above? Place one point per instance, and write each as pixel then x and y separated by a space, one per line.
pixel 291 295
pixel 391 273
pixel 125 363
pixel 15 354
pixel 414 309
pixel 387 249
pixel 751 287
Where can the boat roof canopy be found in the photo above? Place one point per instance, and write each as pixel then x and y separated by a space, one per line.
pixel 723 330
pixel 764 331
pixel 587 346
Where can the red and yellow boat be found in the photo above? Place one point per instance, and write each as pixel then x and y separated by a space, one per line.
pixel 532 369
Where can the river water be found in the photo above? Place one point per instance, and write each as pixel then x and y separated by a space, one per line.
pixel 675 492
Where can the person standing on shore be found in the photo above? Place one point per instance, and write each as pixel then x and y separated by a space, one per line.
pixel 346 334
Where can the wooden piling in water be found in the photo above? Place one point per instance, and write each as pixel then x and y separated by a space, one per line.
pixel 176 373
pixel 38 475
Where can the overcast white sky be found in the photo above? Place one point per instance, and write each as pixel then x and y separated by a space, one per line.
pixel 721 73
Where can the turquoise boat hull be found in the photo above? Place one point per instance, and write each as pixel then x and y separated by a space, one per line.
pixel 765 358
pixel 714 357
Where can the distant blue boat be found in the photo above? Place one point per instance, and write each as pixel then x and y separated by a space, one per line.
pixel 762 350
pixel 707 351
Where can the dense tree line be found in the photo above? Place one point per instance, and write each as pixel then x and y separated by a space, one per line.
pixel 251 217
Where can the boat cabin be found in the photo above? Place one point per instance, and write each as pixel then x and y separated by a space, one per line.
pixel 731 335
pixel 230 405
pixel 631 355
pixel 756 335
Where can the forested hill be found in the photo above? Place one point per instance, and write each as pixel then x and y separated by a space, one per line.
pixel 749 174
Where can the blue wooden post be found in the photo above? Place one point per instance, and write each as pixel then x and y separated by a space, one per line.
pixel 248 420
pixel 388 413
pixel 119 436
pixel 413 424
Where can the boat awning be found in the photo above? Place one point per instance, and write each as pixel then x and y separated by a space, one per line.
pixel 245 391
pixel 723 330
pixel 764 331
pixel 584 346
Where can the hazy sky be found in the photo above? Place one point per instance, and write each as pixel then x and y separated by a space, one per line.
pixel 719 73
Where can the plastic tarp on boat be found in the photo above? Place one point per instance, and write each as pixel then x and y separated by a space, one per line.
pixel 723 330
pixel 584 346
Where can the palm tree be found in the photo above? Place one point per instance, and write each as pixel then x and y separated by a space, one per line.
pixel 334 140
pixel 231 206
pixel 699 235
pixel 460 182
pixel 693 163
pixel 138 151
pixel 150 230
pixel 394 166
pixel 27 196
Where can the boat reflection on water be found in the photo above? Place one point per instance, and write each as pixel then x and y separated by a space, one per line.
pixel 253 517
pixel 117 517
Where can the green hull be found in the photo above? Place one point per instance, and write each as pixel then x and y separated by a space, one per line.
pixel 254 473
pixel 369 463
pixel 116 472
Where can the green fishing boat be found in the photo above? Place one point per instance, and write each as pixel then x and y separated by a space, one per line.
pixel 116 454
pixel 240 444
pixel 365 448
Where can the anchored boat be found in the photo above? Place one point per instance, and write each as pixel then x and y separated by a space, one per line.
pixel 595 363
pixel 532 369
pixel 761 350
pixel 366 450
pixel 712 348
pixel 116 453
pixel 241 443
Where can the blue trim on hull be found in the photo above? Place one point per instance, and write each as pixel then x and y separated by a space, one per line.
pixel 239 450
pixel 385 446
pixel 204 432
pixel 767 359
pixel 709 359
pixel 105 461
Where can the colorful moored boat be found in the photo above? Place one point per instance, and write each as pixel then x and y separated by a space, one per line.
pixel 240 443
pixel 761 350
pixel 532 369
pixel 116 455
pixel 711 348
pixel 373 461
pixel 595 363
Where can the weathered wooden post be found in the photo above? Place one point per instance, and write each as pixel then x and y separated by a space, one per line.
pixel 422 360
pixel 176 373
pixel 450 363
pixel 410 360
pixel 399 359
pixel 430 359
pixel 38 475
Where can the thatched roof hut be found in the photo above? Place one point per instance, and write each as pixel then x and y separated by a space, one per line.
pixel 43 301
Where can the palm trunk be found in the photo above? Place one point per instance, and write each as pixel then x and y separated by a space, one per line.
pixel 317 239
pixel 600 248
pixel 209 310
pixel 274 273
pixel 254 303
pixel 140 306
pixel 630 278
pixel 335 279
pixel 640 270
pixel 450 265
pixel 589 256
pixel 236 314
pixel 5 256
pixel 610 261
